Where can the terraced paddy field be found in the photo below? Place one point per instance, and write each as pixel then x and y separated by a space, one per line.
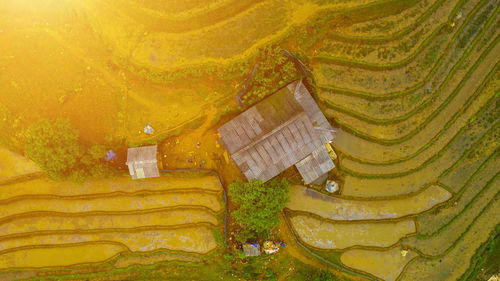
pixel 385 264
pixel 14 165
pixel 57 224
pixel 416 97
pixel 412 87
pixel 113 66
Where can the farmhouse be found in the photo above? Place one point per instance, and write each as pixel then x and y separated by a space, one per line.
pixel 142 162
pixel 285 129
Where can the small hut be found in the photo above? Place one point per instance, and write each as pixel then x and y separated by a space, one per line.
pixel 251 249
pixel 285 129
pixel 142 162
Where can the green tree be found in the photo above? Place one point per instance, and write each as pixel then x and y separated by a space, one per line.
pixel 53 144
pixel 258 205
pixel 97 151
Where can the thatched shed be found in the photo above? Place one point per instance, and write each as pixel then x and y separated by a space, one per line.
pixel 142 162
pixel 285 129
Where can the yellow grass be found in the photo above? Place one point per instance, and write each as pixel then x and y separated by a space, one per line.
pixel 123 184
pixel 189 239
pixel 386 265
pixel 475 190
pixel 394 23
pixel 326 235
pixel 13 164
pixel 33 59
pixel 46 49
pixel 415 143
pixel 177 7
pixel 308 200
pixel 61 256
pixel 135 215
pixel 138 42
pixel 128 260
pixel 396 53
pixel 111 204
pixel 438 244
pixel 403 128
pixel 55 222
pixel 456 261
pixel 373 81
pixel 379 153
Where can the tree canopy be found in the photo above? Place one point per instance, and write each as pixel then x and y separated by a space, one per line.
pixel 258 205
pixel 53 144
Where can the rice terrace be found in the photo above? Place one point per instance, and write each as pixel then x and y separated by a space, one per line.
pixel 302 140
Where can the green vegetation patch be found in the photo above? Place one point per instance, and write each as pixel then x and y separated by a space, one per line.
pixel 259 205
pixel 485 261
pixel 55 146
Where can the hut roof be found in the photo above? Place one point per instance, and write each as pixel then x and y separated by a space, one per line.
pixel 259 120
pixel 280 131
pixel 142 163
pixel 304 98
pixel 315 165
pixel 251 249
pixel 275 152
pixel 141 155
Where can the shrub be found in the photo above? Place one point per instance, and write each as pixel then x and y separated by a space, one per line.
pixel 218 236
pixel 274 70
pixel 324 275
pixel 258 206
pixel 53 145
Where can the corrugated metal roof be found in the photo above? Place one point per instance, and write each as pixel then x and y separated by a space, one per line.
pixel 317 117
pixel 259 120
pixel 143 154
pixel 142 162
pixel 278 133
pixel 315 165
pixel 144 170
pixel 277 151
pixel 251 250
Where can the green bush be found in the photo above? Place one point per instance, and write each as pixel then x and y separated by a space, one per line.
pixel 270 275
pixel 324 275
pixel 274 71
pixel 312 274
pixel 258 206
pixel 53 144
pixel 218 236
pixel 228 257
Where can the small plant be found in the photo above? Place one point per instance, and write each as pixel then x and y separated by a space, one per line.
pixel 258 206
pixel 218 236
pixel 228 257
